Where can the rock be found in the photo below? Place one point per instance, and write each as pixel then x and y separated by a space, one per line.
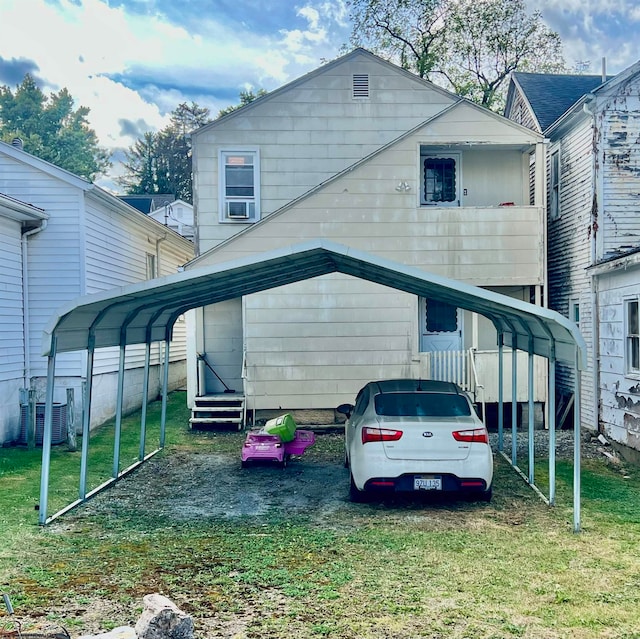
pixel 162 619
pixel 122 632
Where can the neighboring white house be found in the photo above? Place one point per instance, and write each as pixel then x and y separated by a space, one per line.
pixel 593 127
pixel 365 154
pixel 176 215
pixel 64 237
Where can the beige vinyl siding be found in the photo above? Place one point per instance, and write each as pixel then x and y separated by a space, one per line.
pixel 313 341
pixel 488 246
pixel 570 250
pixel 309 133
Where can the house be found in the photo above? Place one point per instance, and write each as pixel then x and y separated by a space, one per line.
pixel 176 215
pixel 593 231
pixel 363 153
pixel 64 237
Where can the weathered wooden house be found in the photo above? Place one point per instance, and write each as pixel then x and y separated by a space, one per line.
pixel 593 180
pixel 362 153
pixel 64 237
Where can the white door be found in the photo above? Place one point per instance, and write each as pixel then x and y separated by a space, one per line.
pixel 441 336
pixel 441 327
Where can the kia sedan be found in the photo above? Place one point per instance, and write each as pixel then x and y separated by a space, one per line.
pixel 416 436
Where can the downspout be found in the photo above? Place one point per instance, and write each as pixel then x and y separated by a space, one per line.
pixel 595 325
pixel 26 320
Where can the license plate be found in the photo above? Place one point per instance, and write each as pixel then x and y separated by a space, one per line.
pixel 263 447
pixel 427 483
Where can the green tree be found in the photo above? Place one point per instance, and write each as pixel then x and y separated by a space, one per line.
pixel 160 162
pixel 488 39
pixel 246 97
pixel 411 33
pixel 51 129
pixel 469 46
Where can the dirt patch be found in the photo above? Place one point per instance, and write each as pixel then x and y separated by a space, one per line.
pixel 186 485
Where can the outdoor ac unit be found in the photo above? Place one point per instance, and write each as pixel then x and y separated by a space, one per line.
pixel 58 424
pixel 240 209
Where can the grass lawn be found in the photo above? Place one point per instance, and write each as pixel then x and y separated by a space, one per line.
pixel 512 568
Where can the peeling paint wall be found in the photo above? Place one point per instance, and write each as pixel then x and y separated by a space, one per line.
pixel 618 118
pixel 619 391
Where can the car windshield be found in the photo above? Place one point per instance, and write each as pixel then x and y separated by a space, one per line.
pixel 421 405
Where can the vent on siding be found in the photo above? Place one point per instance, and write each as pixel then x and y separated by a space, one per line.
pixel 360 85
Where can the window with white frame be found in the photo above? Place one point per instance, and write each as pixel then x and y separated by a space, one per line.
pixel 574 311
pixel 554 185
pixel 632 337
pixel 239 186
pixel 439 178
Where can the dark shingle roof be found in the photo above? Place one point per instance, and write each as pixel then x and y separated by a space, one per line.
pixel 550 95
pixel 147 203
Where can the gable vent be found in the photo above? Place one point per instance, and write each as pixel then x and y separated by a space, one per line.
pixel 360 85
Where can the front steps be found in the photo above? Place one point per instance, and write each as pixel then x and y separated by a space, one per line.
pixel 225 410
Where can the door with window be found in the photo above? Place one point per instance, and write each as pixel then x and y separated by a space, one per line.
pixel 441 326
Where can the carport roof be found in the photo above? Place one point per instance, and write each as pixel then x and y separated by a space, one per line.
pixel 146 312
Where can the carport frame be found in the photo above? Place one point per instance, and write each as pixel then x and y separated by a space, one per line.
pixel 146 312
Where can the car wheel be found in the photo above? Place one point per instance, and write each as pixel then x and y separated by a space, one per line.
pixel 486 495
pixel 346 460
pixel 355 494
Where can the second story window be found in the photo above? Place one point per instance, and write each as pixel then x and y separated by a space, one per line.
pixel 439 179
pixel 239 186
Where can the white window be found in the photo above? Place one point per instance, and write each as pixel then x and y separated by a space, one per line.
pixel 574 312
pixel 439 179
pixel 632 337
pixel 554 185
pixel 239 186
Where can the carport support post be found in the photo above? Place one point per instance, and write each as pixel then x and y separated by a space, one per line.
pixel 514 399
pixel 576 446
pixel 116 442
pixel 500 391
pixel 46 436
pixel 531 440
pixel 551 403
pixel 145 399
pixel 86 415
pixel 165 386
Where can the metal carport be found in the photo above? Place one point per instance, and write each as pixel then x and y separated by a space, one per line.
pixel 145 313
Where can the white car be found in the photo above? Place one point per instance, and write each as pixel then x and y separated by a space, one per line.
pixel 410 435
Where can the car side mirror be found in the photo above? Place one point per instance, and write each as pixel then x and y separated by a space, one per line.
pixel 345 409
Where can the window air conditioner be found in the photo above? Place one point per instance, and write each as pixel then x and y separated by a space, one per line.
pixel 240 210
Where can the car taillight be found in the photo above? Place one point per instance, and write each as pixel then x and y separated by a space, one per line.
pixel 477 435
pixel 380 435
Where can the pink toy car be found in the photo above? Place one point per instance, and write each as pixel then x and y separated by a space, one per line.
pixel 262 447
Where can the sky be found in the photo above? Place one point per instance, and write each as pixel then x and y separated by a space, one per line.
pixel 133 61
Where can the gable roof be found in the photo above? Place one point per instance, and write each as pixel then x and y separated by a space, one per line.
pixel 550 95
pixel 356 53
pixel 87 187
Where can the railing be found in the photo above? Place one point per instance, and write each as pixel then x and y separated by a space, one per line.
pixel 453 366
